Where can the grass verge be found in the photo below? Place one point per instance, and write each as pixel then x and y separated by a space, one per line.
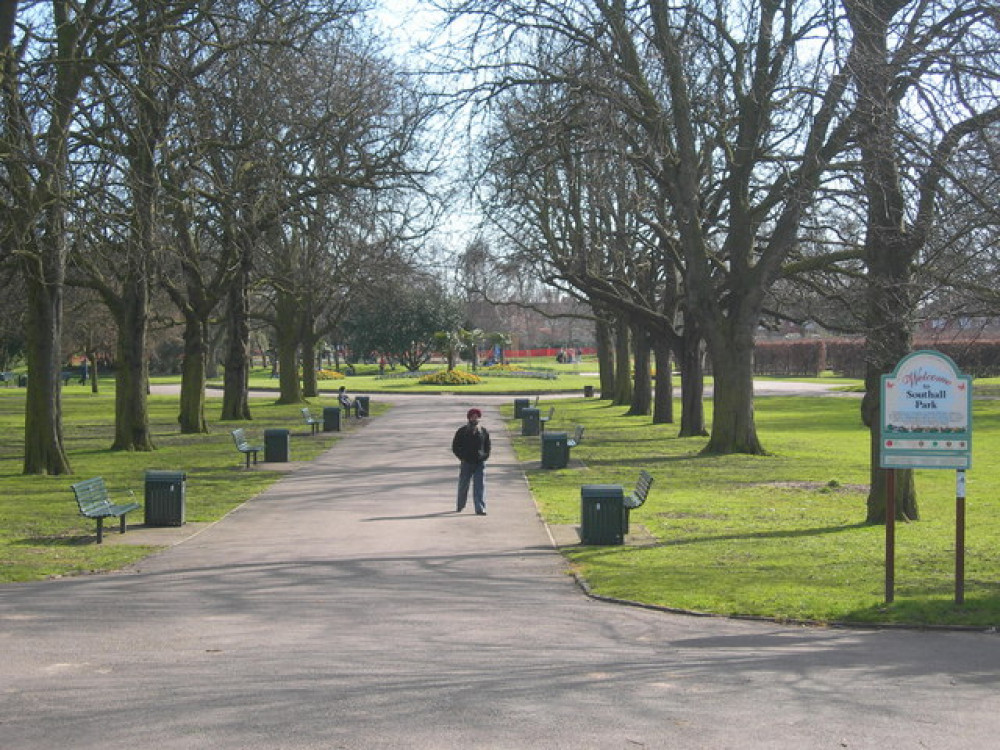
pixel 779 536
pixel 41 531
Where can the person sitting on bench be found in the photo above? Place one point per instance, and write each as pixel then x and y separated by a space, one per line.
pixel 347 404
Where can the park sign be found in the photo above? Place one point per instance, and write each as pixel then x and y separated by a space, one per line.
pixel 926 417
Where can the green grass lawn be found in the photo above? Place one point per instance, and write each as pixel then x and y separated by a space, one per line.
pixel 41 531
pixel 781 535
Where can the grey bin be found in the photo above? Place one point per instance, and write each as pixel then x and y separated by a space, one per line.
pixel 276 449
pixel 588 391
pixel 166 493
pixel 520 404
pixel 331 419
pixel 602 514
pixel 555 450
pixel 530 421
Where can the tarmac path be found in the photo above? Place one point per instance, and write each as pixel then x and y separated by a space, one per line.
pixel 349 606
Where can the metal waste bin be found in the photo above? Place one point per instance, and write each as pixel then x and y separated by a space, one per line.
pixel 276 448
pixel 555 450
pixel 530 421
pixel 165 499
pixel 331 419
pixel 602 514
pixel 361 406
pixel 588 391
pixel 520 404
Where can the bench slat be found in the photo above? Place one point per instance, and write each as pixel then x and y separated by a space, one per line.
pixel 638 496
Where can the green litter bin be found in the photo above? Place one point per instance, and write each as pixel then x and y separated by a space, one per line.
pixel 165 498
pixel 331 419
pixel 530 422
pixel 520 404
pixel 276 449
pixel 602 514
pixel 555 450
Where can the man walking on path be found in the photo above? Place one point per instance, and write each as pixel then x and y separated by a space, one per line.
pixel 471 446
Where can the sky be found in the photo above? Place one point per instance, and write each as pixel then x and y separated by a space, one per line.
pixel 411 25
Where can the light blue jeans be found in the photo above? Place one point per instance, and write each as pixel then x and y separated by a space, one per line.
pixel 472 473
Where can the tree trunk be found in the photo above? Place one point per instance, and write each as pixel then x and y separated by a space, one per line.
pixel 212 356
pixel 692 366
pixel 132 374
pixel 663 402
pixel 310 383
pixel 887 342
pixel 622 393
pixel 193 376
pixel 94 375
pixel 290 391
pixel 44 452
pixel 605 356
pixel 236 371
pixel 642 389
pixel 287 327
pixel 733 427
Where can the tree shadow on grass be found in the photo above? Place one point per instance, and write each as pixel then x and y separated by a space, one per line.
pixel 786 534
pixel 84 540
pixel 646 461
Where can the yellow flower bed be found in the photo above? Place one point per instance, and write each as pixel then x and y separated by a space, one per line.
pixel 330 375
pixel 450 377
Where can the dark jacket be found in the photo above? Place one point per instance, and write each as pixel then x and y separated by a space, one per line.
pixel 471 446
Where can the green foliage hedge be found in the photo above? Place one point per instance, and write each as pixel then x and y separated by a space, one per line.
pixel 846 357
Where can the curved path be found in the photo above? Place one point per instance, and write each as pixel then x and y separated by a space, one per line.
pixel 350 607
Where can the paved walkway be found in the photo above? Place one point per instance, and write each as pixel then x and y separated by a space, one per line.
pixel 350 607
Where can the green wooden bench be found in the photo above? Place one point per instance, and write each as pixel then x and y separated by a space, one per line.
pixel 243 445
pixel 577 437
pixel 546 418
pixel 92 497
pixel 313 423
pixel 638 496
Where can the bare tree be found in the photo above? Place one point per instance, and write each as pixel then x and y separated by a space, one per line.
pixel 46 59
pixel 736 113
pixel 583 217
pixel 349 141
pixel 938 62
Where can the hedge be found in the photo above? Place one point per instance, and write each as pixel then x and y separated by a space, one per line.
pixel 846 357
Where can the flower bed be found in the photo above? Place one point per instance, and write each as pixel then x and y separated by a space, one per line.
pixel 450 377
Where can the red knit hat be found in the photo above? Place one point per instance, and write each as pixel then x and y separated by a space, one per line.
pixel 473 412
